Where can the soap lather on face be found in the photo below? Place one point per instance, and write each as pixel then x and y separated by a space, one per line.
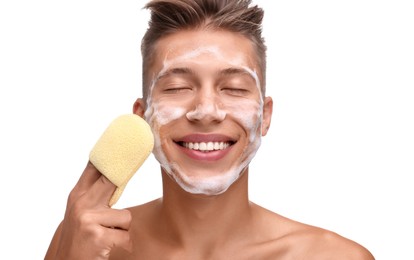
pixel 161 113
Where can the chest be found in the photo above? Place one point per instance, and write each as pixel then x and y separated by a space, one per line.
pixel 159 251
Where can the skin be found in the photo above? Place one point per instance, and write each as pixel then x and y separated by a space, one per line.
pixel 191 221
pixel 208 83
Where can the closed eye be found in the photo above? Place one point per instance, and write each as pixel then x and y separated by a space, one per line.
pixel 177 89
pixel 235 91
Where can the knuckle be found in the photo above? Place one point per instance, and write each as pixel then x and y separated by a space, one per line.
pixel 97 235
pixel 83 218
pixel 73 196
pixel 122 239
pixel 127 215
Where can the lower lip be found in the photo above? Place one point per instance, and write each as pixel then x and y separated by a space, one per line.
pixel 205 156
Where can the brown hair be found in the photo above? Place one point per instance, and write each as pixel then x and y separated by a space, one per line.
pixel 170 16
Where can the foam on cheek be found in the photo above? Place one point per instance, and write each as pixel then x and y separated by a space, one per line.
pixel 250 117
pixel 164 114
pixel 251 114
pixel 157 115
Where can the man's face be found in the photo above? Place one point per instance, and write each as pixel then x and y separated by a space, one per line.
pixel 205 108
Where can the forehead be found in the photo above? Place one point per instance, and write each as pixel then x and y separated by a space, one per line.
pixel 203 47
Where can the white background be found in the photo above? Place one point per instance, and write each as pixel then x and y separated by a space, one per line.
pixel 339 154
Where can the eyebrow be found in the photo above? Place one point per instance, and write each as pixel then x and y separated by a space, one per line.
pixel 232 71
pixel 176 71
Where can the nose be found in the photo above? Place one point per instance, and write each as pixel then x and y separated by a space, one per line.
pixel 207 108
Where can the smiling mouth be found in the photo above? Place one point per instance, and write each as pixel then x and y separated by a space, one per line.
pixel 206 146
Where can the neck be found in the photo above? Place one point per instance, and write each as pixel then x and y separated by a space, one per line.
pixel 207 220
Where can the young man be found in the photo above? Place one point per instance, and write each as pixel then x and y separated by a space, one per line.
pixel 204 97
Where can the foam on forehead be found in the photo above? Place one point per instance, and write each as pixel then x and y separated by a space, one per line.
pixel 214 51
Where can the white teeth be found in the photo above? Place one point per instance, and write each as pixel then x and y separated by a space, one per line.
pixel 216 146
pixel 203 146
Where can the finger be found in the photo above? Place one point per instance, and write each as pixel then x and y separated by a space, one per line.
pixel 101 191
pixel 89 176
pixel 119 238
pixel 114 218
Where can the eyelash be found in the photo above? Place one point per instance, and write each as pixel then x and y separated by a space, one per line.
pixel 235 91
pixel 176 90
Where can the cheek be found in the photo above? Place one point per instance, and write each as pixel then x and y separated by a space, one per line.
pixel 162 113
pixel 248 114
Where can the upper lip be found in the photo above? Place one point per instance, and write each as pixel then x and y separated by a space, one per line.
pixel 199 138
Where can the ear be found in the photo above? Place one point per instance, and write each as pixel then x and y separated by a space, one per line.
pixel 267 114
pixel 139 107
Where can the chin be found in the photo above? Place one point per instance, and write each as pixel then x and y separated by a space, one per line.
pixel 210 186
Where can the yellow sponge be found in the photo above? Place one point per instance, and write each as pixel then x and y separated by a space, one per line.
pixel 121 150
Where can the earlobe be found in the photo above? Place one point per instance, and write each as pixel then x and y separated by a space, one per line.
pixel 139 107
pixel 267 114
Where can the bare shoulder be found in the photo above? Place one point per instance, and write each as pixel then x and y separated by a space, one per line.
pixel 289 239
pixel 318 243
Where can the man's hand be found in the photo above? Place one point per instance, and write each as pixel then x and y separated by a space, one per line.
pixel 90 228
